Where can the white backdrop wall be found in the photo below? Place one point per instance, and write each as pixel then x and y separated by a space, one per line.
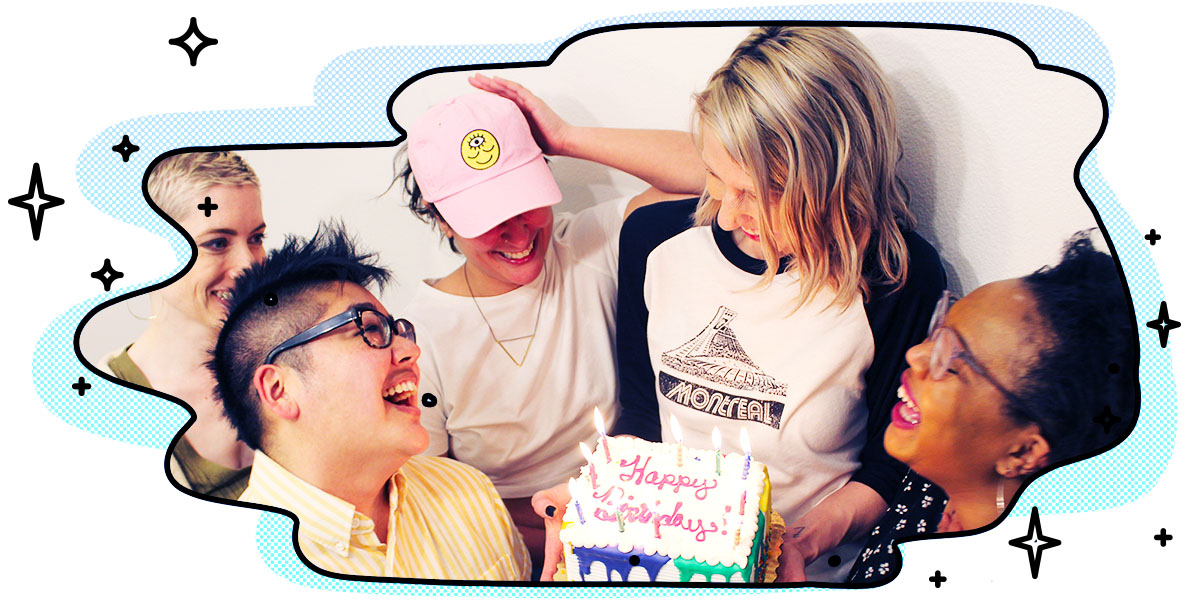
pixel 84 67
pixel 990 147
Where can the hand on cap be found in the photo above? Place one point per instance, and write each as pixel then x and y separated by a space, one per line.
pixel 549 130
pixel 552 505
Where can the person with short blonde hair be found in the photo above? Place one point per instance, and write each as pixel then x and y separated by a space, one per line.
pixel 178 180
pixel 185 316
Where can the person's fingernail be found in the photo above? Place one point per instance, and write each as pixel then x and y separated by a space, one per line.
pixel 550 511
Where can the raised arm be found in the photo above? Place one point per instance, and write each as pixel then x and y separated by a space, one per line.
pixel 667 160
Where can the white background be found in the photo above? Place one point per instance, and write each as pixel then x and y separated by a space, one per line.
pixel 990 144
pixel 86 514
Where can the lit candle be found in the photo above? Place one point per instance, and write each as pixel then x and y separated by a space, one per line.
pixel 746 449
pixel 716 437
pixel 572 486
pixel 591 468
pixel 602 430
pixel 657 519
pixel 678 441
pixel 742 506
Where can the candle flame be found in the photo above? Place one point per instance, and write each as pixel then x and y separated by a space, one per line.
pixel 716 438
pixel 745 442
pixel 599 421
pixel 587 454
pixel 675 430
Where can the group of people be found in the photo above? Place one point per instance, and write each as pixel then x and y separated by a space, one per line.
pixel 773 260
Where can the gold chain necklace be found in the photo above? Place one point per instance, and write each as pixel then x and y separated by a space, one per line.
pixel 536 321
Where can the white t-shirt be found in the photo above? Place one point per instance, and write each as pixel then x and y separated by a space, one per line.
pixel 703 341
pixel 522 425
pixel 730 355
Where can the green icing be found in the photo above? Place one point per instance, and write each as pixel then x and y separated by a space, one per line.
pixel 689 567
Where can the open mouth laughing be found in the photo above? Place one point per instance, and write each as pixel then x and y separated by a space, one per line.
pixel 403 394
pixel 520 257
pixel 906 414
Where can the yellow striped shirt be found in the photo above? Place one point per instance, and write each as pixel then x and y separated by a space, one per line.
pixel 447 522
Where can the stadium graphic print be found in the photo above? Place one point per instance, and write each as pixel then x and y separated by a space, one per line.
pixel 715 356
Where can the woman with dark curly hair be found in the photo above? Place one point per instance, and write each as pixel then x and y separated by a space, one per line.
pixel 1005 387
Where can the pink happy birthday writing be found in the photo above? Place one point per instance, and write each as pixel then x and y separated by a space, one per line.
pixel 643 514
pixel 640 474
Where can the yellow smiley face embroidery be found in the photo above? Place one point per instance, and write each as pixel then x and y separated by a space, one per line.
pixel 480 149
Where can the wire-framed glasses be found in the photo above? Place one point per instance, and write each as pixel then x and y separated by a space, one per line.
pixel 948 345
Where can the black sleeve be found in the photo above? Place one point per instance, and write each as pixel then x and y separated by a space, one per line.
pixel 642 232
pixel 899 320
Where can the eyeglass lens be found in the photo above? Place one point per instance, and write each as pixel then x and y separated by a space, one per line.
pixel 944 343
pixel 944 349
pixel 375 329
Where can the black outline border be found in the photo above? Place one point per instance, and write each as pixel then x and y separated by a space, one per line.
pixel 548 61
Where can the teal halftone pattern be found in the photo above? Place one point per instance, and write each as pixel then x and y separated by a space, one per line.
pixel 1126 472
pixel 351 106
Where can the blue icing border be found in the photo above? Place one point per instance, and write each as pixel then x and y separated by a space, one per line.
pixel 619 562
pixel 347 108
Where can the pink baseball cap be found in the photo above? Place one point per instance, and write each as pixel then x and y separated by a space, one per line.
pixel 477 162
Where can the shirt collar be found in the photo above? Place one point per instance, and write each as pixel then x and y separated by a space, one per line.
pixel 324 518
pixel 739 259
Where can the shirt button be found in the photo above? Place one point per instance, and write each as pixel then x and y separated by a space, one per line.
pixel 355 523
pixel 340 547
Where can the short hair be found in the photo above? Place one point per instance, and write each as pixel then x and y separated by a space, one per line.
pixel 178 179
pixel 1091 360
pixel 271 304
pixel 423 210
pixel 807 113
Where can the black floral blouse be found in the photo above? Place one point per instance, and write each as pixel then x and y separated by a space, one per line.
pixel 917 509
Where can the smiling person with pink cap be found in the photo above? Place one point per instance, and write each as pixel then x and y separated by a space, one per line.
pixel 521 336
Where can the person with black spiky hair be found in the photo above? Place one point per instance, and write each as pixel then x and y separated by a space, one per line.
pixel 321 382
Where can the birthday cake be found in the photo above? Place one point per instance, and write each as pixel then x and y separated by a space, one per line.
pixel 648 511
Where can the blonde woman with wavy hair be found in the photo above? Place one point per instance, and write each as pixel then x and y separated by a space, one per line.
pixel 782 299
pixel 808 113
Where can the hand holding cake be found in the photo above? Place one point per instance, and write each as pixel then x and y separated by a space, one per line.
pixel 552 504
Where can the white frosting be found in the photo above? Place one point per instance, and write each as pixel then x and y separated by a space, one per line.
pixel 699 512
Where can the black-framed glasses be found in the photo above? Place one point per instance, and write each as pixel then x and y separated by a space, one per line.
pixel 376 329
pixel 948 345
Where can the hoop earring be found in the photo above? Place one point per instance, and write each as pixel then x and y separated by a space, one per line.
pixel 157 313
